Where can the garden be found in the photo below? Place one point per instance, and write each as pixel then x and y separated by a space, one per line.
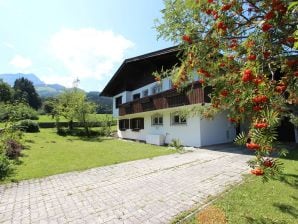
pixel 63 134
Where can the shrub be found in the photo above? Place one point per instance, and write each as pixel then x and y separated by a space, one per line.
pixel 13 149
pixel 28 126
pixel 177 145
pixel 17 112
pixel 5 167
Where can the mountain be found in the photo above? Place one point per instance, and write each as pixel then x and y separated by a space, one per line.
pixel 43 89
pixel 10 78
pixel 51 90
pixel 105 104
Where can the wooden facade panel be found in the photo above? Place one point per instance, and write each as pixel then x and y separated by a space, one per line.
pixel 167 99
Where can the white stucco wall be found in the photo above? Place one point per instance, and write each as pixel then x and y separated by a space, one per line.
pixel 196 132
pixel 216 131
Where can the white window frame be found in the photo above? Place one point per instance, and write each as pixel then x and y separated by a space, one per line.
pixel 182 120
pixel 156 89
pixel 159 118
pixel 145 91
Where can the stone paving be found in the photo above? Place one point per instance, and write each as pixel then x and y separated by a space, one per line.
pixel 144 191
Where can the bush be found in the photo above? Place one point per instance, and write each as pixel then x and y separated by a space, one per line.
pixel 17 112
pixel 5 167
pixel 13 149
pixel 28 126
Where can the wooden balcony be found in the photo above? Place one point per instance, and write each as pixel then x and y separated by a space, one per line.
pixel 166 99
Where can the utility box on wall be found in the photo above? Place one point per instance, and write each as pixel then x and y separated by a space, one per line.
pixel 155 139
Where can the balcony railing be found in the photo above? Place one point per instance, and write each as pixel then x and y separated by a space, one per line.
pixel 166 99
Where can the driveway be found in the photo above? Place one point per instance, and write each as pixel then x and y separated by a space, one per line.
pixel 144 191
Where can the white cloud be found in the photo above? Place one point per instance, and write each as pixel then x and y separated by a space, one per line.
pixel 89 53
pixel 59 79
pixel 21 62
pixel 8 45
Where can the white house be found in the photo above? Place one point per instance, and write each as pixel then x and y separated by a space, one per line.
pixel 149 111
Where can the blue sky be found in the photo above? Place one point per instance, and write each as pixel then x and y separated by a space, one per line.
pixel 60 40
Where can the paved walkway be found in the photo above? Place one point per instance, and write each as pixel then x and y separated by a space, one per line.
pixel 144 191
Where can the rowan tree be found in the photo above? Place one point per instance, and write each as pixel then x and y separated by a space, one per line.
pixel 245 50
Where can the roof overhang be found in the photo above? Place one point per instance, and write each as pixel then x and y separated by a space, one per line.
pixel 137 71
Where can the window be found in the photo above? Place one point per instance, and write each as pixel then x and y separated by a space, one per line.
pixel 145 93
pixel 177 119
pixel 136 124
pixel 118 101
pixel 156 89
pixel 136 96
pixel 157 119
pixel 123 124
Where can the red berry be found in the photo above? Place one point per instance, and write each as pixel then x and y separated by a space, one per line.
pixel 266 54
pixel 260 99
pixel 257 108
pixel 187 39
pixel 266 27
pixel 247 75
pixel 252 57
pixel 268 163
pixel 280 88
pixel 232 120
pixel 257 171
pixel 261 125
pixel 269 15
pixel 224 93
pixel 226 7
pixel 252 146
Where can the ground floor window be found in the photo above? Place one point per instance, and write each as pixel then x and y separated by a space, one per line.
pixel 157 119
pixel 123 124
pixel 137 124
pixel 177 118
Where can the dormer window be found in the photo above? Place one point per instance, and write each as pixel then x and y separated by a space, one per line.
pixel 118 101
pixel 156 89
pixel 136 96
pixel 145 93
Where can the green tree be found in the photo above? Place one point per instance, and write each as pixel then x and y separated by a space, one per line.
pixel 25 92
pixel 245 50
pixel 73 105
pixel 5 92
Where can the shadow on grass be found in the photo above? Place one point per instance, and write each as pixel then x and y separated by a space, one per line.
pixel 288 209
pixel 289 179
pixel 263 220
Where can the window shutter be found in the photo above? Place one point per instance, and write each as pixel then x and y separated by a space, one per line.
pixel 141 123
pixel 126 123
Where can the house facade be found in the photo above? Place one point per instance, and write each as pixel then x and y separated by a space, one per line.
pixel 150 111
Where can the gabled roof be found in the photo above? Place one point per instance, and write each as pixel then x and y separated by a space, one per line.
pixel 137 71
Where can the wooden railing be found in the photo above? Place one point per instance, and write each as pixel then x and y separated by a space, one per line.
pixel 166 99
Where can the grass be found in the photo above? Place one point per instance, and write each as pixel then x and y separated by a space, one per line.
pixel 50 154
pixel 95 117
pixel 255 202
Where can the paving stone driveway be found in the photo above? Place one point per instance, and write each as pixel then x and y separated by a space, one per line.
pixel 143 191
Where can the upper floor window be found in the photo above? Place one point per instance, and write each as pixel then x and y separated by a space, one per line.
pixel 156 89
pixel 136 124
pixel 136 96
pixel 157 119
pixel 145 93
pixel 118 101
pixel 177 118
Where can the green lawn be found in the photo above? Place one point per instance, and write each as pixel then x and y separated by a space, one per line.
pixel 50 154
pixel 95 117
pixel 255 202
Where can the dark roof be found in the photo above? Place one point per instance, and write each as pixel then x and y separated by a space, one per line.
pixel 137 71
